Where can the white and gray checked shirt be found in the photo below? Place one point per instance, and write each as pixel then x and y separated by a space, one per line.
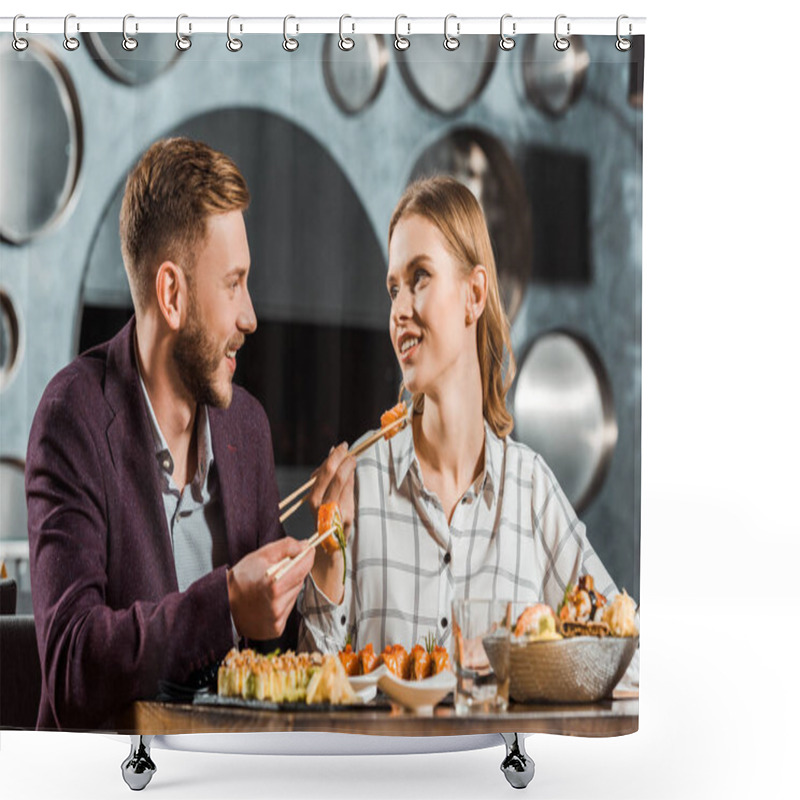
pixel 513 536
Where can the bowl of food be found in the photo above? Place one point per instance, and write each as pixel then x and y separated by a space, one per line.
pixel 417 679
pixel 577 656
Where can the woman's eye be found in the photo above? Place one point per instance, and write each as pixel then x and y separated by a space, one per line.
pixel 419 275
pixel 392 292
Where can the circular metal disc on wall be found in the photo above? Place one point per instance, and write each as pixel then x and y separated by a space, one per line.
pixel 10 342
pixel 13 508
pixel 447 81
pixel 154 55
pixel 553 79
pixel 41 142
pixel 563 409
pixel 482 163
pixel 354 78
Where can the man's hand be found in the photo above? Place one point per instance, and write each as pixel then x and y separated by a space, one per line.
pixel 335 484
pixel 260 605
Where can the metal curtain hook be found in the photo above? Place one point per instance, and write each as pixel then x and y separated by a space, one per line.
pixel 128 42
pixel 451 42
pixel 289 44
pixel 70 42
pixel 561 43
pixel 345 42
pixel 506 42
pixel 182 42
pixel 400 42
pixel 623 45
pixel 18 43
pixel 233 44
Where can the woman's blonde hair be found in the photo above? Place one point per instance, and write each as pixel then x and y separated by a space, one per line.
pixel 453 209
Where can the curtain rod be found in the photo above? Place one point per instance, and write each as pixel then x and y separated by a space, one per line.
pixel 405 26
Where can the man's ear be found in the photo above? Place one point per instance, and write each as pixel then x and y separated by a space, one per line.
pixel 172 293
pixel 477 290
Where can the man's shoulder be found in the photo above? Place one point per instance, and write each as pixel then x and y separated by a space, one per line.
pixel 81 380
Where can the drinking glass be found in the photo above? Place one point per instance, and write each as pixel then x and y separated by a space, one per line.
pixel 482 654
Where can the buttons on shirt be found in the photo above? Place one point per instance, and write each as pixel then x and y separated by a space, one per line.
pixel 444 622
pixel 447 558
pixel 344 619
pixel 166 462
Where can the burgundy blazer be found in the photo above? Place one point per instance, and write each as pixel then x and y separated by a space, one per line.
pixel 110 621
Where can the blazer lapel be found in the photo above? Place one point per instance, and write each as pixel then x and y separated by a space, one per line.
pixel 131 446
pixel 232 481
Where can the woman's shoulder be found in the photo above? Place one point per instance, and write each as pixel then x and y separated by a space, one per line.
pixel 526 461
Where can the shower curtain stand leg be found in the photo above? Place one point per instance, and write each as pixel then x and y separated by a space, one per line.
pixel 517 766
pixel 138 768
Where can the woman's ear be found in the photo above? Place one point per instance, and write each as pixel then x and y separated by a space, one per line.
pixel 477 290
pixel 172 293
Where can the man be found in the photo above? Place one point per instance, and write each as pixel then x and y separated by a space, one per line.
pixel 149 473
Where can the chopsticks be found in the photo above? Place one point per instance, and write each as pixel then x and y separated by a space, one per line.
pixel 280 568
pixel 355 452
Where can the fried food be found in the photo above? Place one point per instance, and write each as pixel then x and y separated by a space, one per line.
pixel 368 660
pixel 329 516
pixel 582 603
pixel 350 660
pixel 419 666
pixel 392 415
pixel 290 677
pixel 397 660
pixel 537 622
pixel 620 615
pixel 440 660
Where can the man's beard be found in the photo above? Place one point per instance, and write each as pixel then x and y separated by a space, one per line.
pixel 198 360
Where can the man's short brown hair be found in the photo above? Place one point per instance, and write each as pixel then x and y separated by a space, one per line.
pixel 177 184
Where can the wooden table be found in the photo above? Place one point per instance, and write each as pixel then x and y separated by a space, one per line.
pixel 614 717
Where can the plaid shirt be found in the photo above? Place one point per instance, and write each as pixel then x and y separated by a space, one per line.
pixel 513 536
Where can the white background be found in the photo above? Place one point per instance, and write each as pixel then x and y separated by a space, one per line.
pixel 720 443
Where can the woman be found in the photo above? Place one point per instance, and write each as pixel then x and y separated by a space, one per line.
pixel 450 506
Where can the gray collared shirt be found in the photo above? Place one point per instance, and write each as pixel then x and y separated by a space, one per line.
pixel 194 516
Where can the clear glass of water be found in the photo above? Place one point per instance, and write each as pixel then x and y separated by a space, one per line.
pixel 481 654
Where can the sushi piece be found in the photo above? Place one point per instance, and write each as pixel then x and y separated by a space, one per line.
pixel 399 411
pixel 329 516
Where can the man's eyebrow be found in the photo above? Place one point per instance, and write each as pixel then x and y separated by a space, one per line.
pixel 238 271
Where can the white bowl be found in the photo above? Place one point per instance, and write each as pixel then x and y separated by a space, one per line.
pixel 418 696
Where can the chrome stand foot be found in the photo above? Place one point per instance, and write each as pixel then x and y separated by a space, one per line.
pixel 517 766
pixel 138 768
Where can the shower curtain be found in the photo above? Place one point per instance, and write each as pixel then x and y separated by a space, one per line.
pixel 328 131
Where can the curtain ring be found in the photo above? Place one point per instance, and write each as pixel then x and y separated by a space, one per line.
pixel 182 42
pixel 289 44
pixel 128 42
pixel 18 43
pixel 345 42
pixel 233 44
pixel 506 42
pixel 71 43
pixel 451 42
pixel 561 43
pixel 623 45
pixel 400 42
